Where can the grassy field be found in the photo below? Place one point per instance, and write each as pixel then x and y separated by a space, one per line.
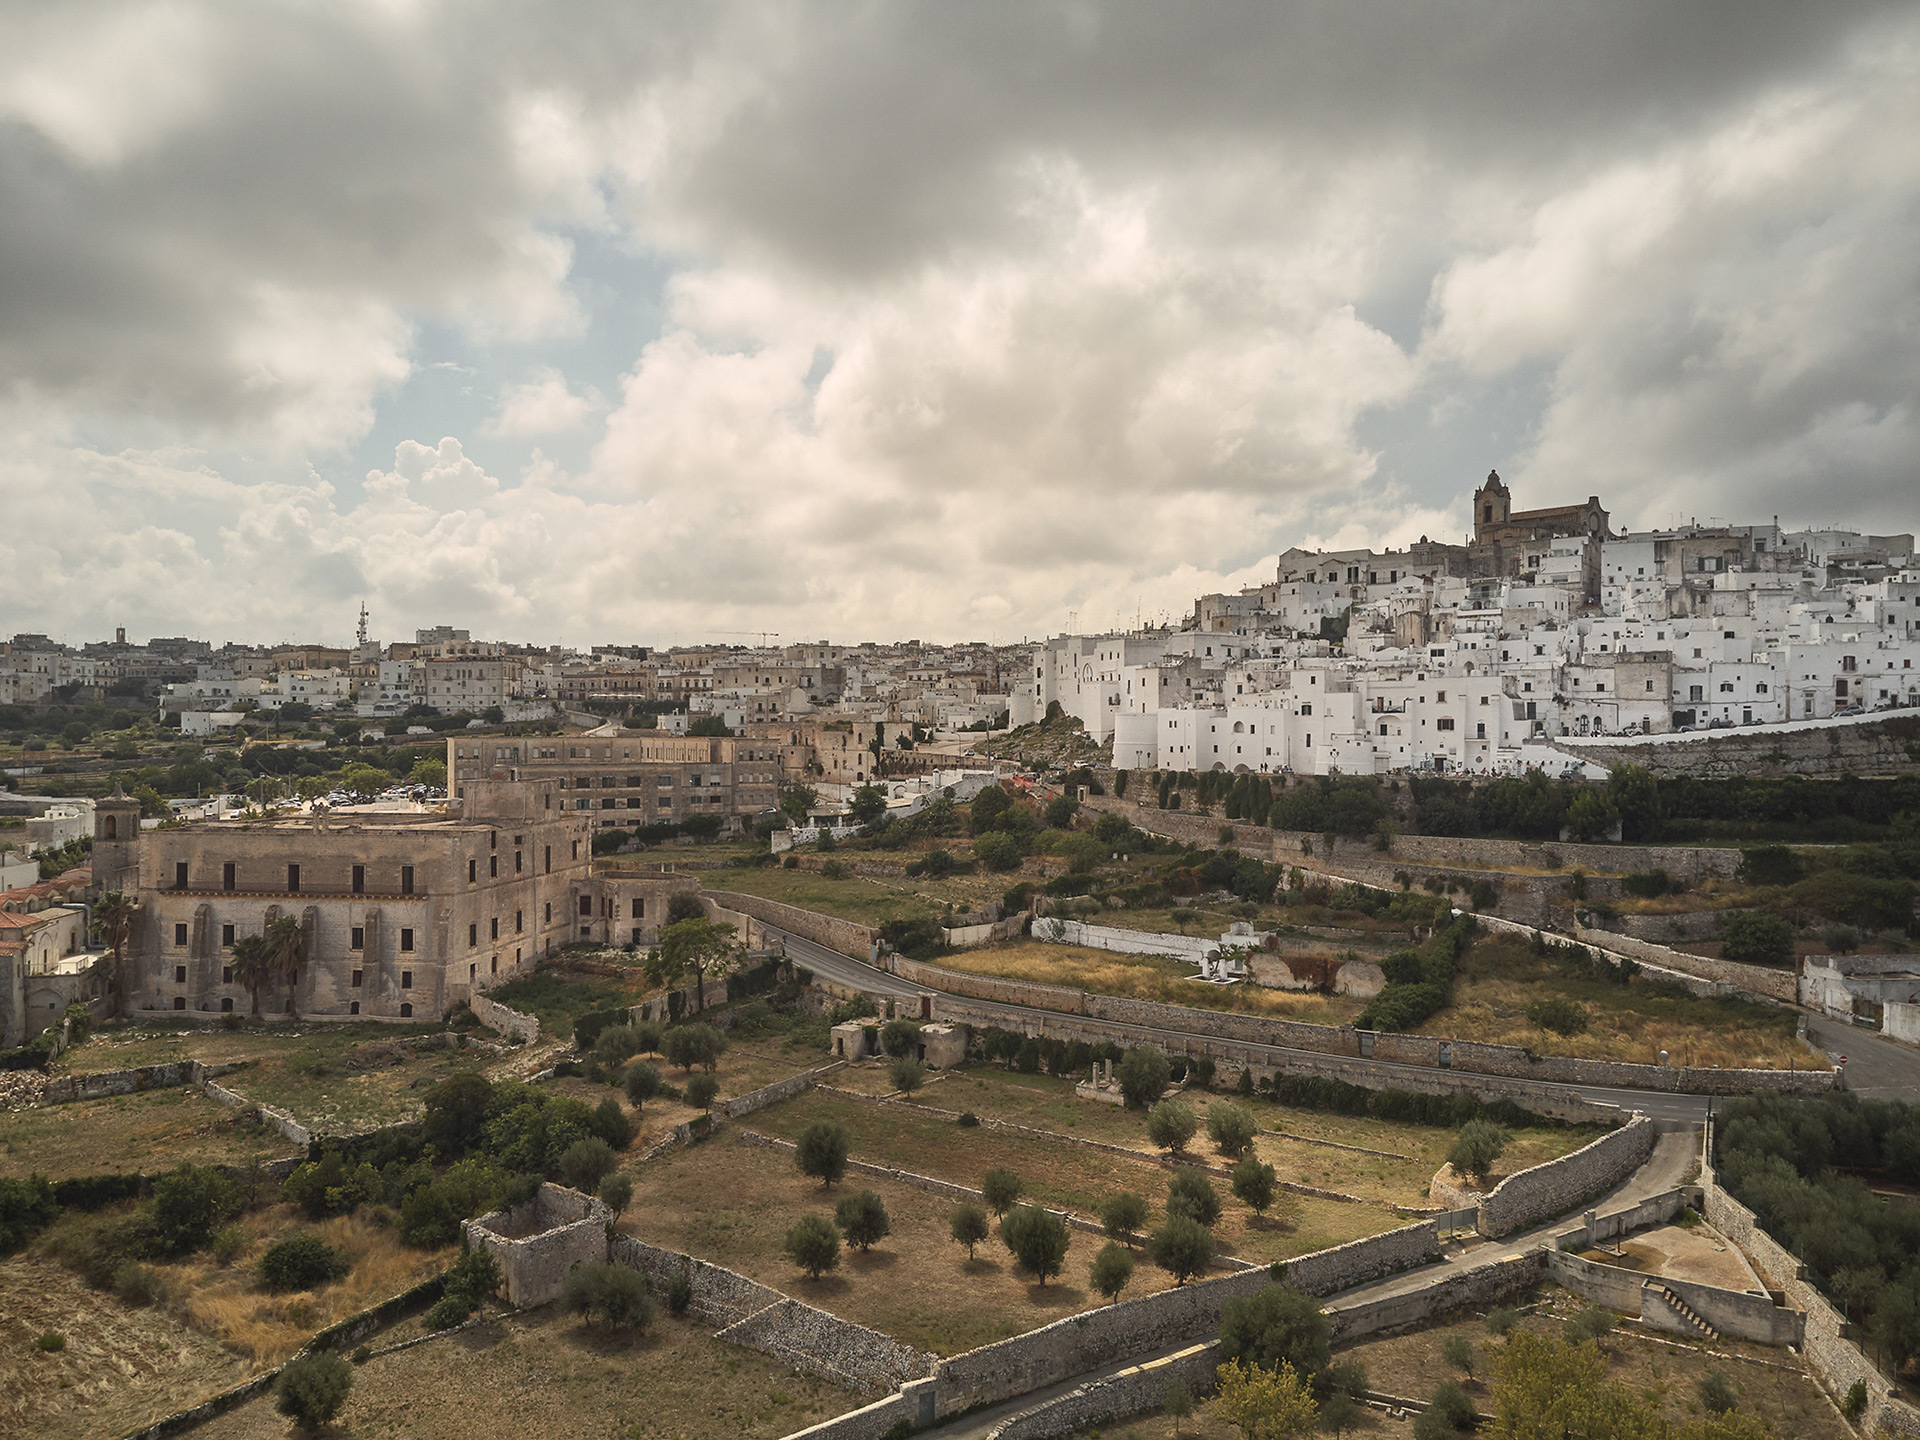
pixel 1061 1175
pixel 1502 975
pixel 1143 977
pixel 863 899
pixel 131 1134
pixel 543 1376
pixel 1285 1142
pixel 556 998
pixel 732 1203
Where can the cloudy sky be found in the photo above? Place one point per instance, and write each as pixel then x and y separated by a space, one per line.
pixel 644 323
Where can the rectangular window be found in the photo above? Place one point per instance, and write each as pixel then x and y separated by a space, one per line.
pixel 226 976
pixel 226 937
pixel 634 938
pixel 359 879
pixel 576 849
pixel 639 908
pixel 473 935
pixel 179 874
pixel 179 974
pixel 549 859
pixel 357 977
pixel 227 876
pixel 516 862
pixel 293 879
pixel 517 925
pixel 493 928
pixel 1445 722
pixel 357 938
pixel 586 905
pixel 493 867
pixel 473 872
pixel 180 934
pixel 406 939
pixel 1479 732
pixel 406 979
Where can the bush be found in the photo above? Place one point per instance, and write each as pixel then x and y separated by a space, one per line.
pixel 1038 1240
pixel 473 1279
pixel 1278 1325
pixel 813 1245
pixel 1170 1125
pixel 1457 1351
pixel 822 1152
pixel 642 1082
pixel 900 1037
pixel 1716 1395
pixel 701 1092
pixel 1754 939
pixel 1855 1405
pixel 189 1204
pixel 1561 1016
pixel 999 851
pixel 52 1341
pixel 863 1219
pixel 312 1389
pixel 1181 1247
pixel 1122 1215
pixel 1501 1320
pixel 1590 1324
pixel 613 1293
pixel 585 1163
pixel 27 1206
pixel 1477 1148
pixel 969 1225
pixel 1191 1194
pixel 1000 1189
pixel 1840 939
pixel 447 1312
pixel 1112 1270
pixel 1231 1128
pixel 616 1192
pixel 680 1291
pixel 135 1283
pixel 1770 865
pixel 301 1262
pixel 1449 1412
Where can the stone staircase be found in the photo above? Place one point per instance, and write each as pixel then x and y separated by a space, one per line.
pixel 1685 1311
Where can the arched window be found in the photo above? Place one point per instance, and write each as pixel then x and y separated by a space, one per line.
pixel 113 827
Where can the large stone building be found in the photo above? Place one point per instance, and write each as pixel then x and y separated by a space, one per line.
pixel 617 779
pixel 403 916
pixel 1519 543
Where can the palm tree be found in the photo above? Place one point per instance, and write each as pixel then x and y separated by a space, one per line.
pixel 286 943
pixel 251 967
pixel 114 918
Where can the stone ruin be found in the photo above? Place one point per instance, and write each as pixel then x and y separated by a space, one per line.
pixel 536 1244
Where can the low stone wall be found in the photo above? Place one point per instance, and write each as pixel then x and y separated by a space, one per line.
pixel 65 1088
pixel 1481 1285
pixel 1547 1190
pixel 776 1092
pixel 836 1350
pixel 720 1296
pixel 1132 1391
pixel 1836 1360
pixel 505 1021
pixel 870 1422
pixel 828 930
pixel 1359 1262
pixel 538 1243
pixel 1654 1210
pixel 985 932
pixel 1125 942
pixel 1778 985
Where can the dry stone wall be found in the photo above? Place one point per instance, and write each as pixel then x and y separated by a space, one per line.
pixel 1813 747
pixel 1131 1392
pixel 65 1088
pixel 1836 1360
pixel 816 1343
pixel 828 930
pixel 506 1021
pixel 871 1422
pixel 1547 1190
pixel 538 1243
pixel 1481 1285
pixel 1778 985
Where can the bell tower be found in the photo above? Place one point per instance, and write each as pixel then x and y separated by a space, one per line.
pixel 116 844
pixel 1492 504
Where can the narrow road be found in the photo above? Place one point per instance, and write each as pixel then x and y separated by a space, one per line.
pixel 1876 1068
pixel 835 966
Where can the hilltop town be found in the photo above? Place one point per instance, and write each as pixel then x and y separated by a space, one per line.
pixel 1426 968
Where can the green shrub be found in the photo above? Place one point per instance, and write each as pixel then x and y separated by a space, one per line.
pixel 301 1262
pixel 1191 1194
pixel 1232 1127
pixel 813 1245
pixel 1037 1239
pixel 1170 1125
pixel 821 1152
pixel 27 1206
pixel 1502 1319
pixel 1716 1395
pixel 1280 1324
pixel 1122 1215
pixel 312 1389
pixel 447 1312
pixel 615 1294
pixel 863 1219
pixel 1754 939
pixel 1000 1189
pixel 1112 1270
pixel 1561 1016
pixel 1477 1148
pixel 50 1340
pixel 969 1225
pixel 1181 1247
pixel 680 1291
pixel 189 1204
pixel 586 1163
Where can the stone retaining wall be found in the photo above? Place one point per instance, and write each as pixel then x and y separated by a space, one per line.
pixel 870 1422
pixel 1731 1312
pixel 1778 985
pixel 1547 1190
pixel 1194 948
pixel 505 1021
pixel 1836 1360
pixel 1481 1285
pixel 1132 1391
pixel 828 930
pixel 720 1296
pixel 835 1350
pixel 776 1092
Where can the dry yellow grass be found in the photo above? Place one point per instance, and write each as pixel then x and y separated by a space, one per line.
pixel 1142 977
pixel 228 1303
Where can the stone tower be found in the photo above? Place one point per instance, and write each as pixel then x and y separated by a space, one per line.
pixel 116 844
pixel 1492 504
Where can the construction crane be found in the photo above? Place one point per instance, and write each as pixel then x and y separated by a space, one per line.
pixel 765 635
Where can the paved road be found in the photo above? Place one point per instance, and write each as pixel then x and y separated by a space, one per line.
pixel 831 963
pixel 1877 1069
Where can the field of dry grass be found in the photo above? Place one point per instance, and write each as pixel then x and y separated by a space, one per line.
pixel 544 1376
pixel 1142 977
pixel 1050 1104
pixel 1500 977
pixel 131 1133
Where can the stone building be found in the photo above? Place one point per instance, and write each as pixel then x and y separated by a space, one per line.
pixel 618 779
pixel 403 916
pixel 1517 542
pixel 45 966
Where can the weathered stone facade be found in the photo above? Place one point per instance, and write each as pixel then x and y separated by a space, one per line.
pixel 539 1242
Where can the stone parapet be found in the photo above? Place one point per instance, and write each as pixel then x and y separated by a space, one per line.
pixel 1547 1190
